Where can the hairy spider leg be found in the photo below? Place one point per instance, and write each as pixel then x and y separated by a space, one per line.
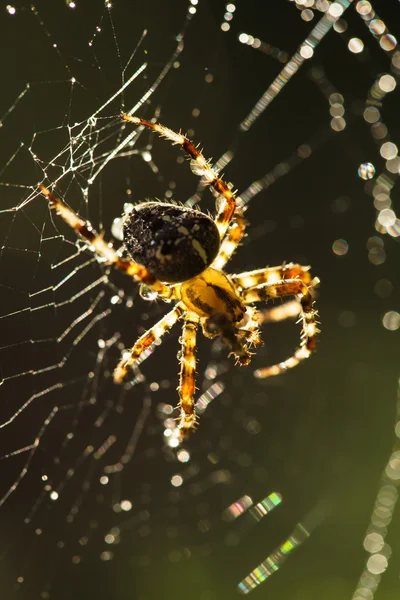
pixel 145 341
pixel 231 240
pixel 199 166
pixel 289 310
pixel 257 277
pixel 308 316
pixel 104 249
pixel 187 387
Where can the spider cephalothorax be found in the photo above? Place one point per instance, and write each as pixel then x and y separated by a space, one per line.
pixel 180 253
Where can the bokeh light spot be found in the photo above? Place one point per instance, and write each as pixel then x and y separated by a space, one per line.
pixel 366 170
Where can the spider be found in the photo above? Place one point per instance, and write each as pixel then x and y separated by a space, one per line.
pixel 179 253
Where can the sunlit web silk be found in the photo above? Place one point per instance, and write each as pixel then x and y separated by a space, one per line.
pixel 387 220
pixel 386 501
pixel 271 564
pixel 305 51
pixel 275 560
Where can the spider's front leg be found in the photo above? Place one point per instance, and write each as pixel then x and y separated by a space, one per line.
pixel 201 167
pixel 308 316
pixel 231 240
pixel 104 249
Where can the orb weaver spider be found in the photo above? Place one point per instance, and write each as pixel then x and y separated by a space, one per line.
pixel 179 254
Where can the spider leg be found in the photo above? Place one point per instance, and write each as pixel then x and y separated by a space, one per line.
pixel 187 375
pixel 308 316
pixel 103 248
pixel 201 167
pixel 258 277
pixel 279 313
pixel 231 240
pixel 150 336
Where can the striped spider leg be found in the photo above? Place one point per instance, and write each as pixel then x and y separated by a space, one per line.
pixel 187 360
pixel 146 340
pixel 187 375
pixel 231 240
pixel 104 249
pixel 199 166
pixel 277 282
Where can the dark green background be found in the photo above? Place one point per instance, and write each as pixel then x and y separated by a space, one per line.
pixel 326 427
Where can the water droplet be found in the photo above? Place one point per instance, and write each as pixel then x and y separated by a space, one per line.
pixel 147 293
pixel 366 171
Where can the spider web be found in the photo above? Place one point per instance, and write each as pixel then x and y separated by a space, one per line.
pixel 96 497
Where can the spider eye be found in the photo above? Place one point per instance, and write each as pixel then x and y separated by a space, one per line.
pixel 174 242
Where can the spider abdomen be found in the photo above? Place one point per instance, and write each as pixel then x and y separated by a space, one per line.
pixel 173 242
